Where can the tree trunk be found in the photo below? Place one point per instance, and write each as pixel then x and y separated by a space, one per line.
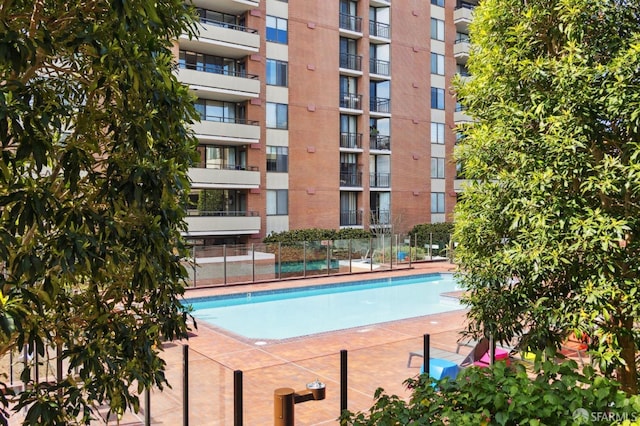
pixel 627 375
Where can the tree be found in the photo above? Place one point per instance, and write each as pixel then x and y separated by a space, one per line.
pixel 548 229
pixel 95 137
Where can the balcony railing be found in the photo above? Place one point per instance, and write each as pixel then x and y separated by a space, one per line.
pixel 350 218
pixel 380 217
pixel 227 25
pixel 217 119
pixel 351 179
pixel 379 29
pixel 380 105
pixel 379 180
pixel 224 213
pixel 215 69
pixel 377 66
pixel 351 140
pixel 350 100
pixel 225 166
pixel 380 142
pixel 351 22
pixel 350 61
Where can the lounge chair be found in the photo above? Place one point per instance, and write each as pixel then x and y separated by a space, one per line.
pixel 481 357
pixel 573 346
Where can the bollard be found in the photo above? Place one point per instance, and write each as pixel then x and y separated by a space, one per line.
pixel 283 407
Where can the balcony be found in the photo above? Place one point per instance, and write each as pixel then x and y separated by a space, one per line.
pixel 380 105
pixel 461 48
pixel 224 85
pixel 380 217
pixel 351 140
pixel 351 23
pixel 462 17
pixel 351 179
pixel 379 30
pixel 380 143
pixel 350 218
pixel 231 131
pixel 379 67
pixel 222 223
pixel 351 101
pixel 223 39
pixel 236 6
pixel 226 177
pixel 380 3
pixel 379 180
pixel 349 61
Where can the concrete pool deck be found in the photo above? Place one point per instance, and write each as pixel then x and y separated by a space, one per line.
pixel 377 356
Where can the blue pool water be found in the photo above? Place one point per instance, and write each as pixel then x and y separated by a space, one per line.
pixel 294 312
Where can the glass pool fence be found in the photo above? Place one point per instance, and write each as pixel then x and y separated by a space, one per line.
pixel 206 392
pixel 230 264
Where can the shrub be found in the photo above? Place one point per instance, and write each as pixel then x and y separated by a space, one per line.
pixel 440 234
pixel 558 395
pixel 296 236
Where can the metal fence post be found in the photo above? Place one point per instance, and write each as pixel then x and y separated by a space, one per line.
pixel 253 262
pixel 185 385
pixel 237 398
pixel 426 350
pixel 147 407
pixel 304 258
pixel 224 263
pixel 343 380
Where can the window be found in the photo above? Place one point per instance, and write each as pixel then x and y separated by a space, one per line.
pixel 437 202
pixel 438 2
pixel 437 29
pixel 277 116
pixel 437 64
pixel 437 98
pixel 437 133
pixel 225 112
pixel 277 159
pixel 437 167
pixel 277 202
pixel 276 29
pixel 277 73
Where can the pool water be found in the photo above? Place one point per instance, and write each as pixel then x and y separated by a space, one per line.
pixel 294 312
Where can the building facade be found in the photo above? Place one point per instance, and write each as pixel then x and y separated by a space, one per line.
pixel 323 114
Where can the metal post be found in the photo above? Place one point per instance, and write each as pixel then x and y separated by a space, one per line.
pixel 279 260
pixel 237 398
pixel 36 362
pixel 370 254
pixel 224 263
pixel 59 366
pixel 253 263
pixel 349 248
pixel 430 246
pixel 185 385
pixel 328 258
pixel 426 350
pixel 195 267
pixel 343 380
pixel 147 407
pixel 304 258
pixel 492 350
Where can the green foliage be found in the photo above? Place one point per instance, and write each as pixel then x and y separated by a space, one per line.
pixel 296 236
pixel 552 158
pixel 557 395
pixel 417 253
pixel 211 200
pixel 95 137
pixel 432 233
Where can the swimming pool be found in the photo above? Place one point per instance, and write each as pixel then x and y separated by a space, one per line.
pixel 295 312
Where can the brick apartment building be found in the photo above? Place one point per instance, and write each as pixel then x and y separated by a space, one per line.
pixel 323 113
